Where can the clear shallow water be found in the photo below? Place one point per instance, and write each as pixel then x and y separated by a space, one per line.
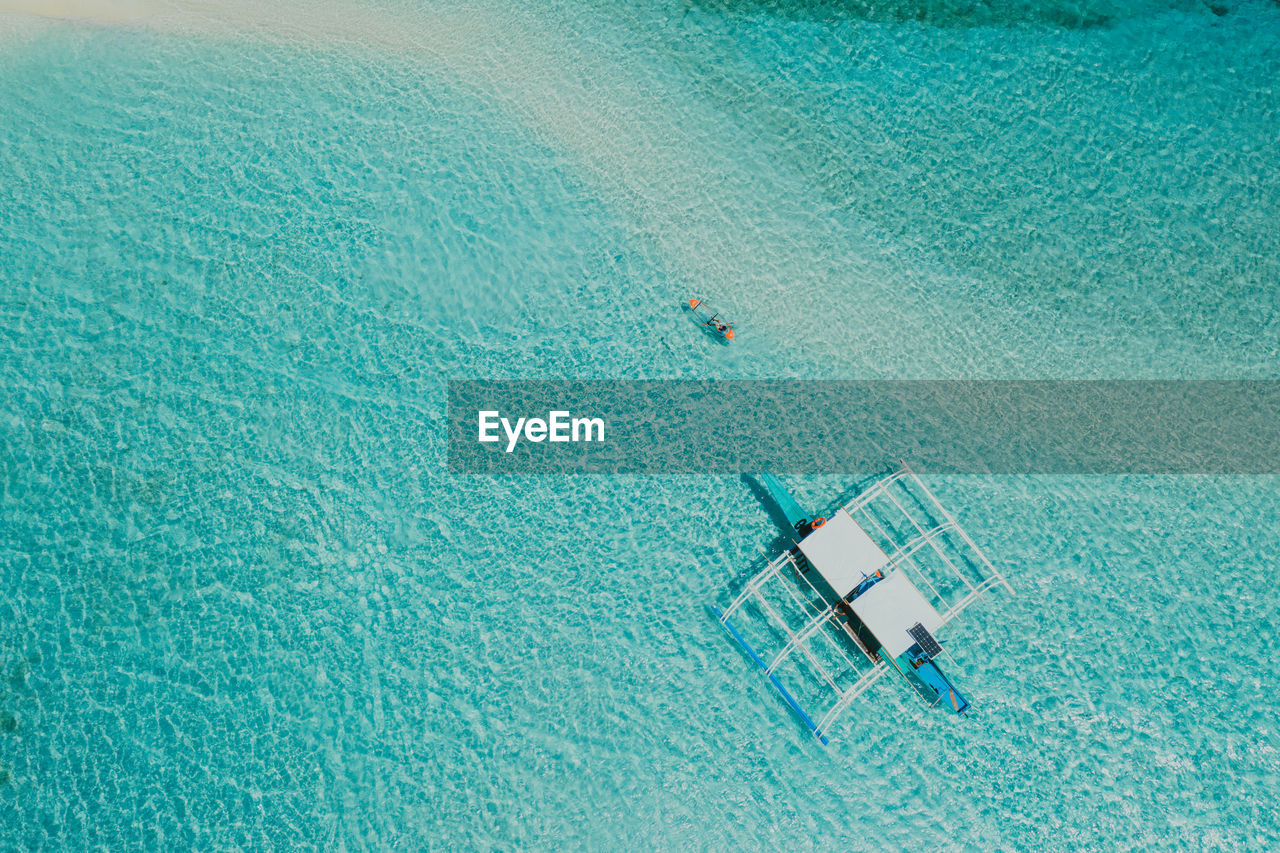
pixel 248 606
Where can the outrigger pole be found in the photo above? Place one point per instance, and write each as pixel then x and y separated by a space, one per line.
pixel 768 674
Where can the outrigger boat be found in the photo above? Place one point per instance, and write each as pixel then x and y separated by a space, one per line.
pixel 860 594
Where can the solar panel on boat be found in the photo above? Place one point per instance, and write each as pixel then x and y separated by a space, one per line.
pixel 928 644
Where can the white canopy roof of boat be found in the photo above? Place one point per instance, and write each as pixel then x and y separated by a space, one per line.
pixel 843 553
pixel 892 606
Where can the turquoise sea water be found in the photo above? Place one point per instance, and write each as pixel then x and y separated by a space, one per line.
pixel 244 603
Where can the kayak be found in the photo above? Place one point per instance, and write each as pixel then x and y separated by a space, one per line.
pixel 711 319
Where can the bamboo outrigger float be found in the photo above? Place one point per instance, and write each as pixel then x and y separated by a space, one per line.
pixel 862 594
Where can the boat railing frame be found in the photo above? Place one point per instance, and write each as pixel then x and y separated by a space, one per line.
pixel 929 534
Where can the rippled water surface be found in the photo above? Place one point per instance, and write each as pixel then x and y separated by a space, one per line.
pixel 245 604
